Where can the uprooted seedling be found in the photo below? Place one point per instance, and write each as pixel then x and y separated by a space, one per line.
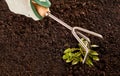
pixel 76 55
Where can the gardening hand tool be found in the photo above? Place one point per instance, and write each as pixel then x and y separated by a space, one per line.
pixel 76 33
pixel 75 30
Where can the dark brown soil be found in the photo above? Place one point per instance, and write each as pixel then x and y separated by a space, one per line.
pixel 35 48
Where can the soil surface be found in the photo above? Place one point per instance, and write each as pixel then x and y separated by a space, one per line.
pixel 35 48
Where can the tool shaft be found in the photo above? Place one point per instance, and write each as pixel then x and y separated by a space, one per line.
pixel 60 21
pixel 70 28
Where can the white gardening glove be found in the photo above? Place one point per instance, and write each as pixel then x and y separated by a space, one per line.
pixel 27 8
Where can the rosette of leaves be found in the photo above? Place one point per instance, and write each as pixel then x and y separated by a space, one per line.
pixel 76 55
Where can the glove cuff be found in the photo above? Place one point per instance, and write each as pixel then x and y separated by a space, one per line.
pixel 35 11
pixel 44 3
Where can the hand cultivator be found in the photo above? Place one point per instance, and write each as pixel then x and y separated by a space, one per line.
pixel 75 30
pixel 76 33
